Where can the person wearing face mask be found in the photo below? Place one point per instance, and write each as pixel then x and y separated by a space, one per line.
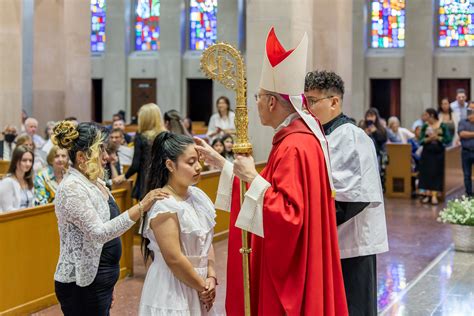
pixel 48 179
pixel 7 145
pixel 16 190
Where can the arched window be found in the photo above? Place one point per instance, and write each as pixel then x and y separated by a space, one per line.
pixel 203 23
pixel 456 23
pixel 147 25
pixel 98 26
pixel 387 23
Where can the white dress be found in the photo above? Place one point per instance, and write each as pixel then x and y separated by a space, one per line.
pixel 163 294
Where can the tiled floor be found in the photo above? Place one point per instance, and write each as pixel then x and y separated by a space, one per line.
pixel 416 239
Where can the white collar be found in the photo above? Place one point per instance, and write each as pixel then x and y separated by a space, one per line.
pixel 290 118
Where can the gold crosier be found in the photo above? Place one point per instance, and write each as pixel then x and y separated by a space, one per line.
pixel 223 63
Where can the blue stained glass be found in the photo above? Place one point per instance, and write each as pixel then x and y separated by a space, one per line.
pixel 456 23
pixel 98 8
pixel 147 25
pixel 203 23
pixel 388 23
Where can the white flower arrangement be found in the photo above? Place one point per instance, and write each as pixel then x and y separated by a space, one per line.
pixel 458 211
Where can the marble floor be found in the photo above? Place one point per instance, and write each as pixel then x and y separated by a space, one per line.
pixel 420 275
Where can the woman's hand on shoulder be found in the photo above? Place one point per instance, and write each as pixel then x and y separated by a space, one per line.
pixel 152 197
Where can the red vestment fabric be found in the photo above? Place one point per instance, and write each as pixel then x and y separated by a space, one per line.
pixel 295 269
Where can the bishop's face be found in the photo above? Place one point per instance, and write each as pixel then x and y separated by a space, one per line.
pixel 324 106
pixel 263 99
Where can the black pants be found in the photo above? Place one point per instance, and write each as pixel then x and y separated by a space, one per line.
pixel 360 281
pixel 467 162
pixel 92 300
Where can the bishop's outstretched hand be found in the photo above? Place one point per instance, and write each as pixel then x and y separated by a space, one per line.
pixel 210 156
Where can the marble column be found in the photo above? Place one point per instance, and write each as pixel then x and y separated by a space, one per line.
pixel 359 102
pixel 170 66
pixel 61 63
pixel 48 61
pixel 115 61
pixel 77 28
pixel 417 86
pixel 11 12
pixel 227 31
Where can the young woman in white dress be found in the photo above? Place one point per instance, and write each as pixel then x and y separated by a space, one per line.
pixel 177 234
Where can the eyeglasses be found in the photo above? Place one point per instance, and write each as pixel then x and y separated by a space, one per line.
pixel 258 96
pixel 315 101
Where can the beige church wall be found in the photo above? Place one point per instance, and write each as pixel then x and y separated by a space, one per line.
pixel 11 12
pixel 61 63
pixel 98 67
pixel 48 62
pixel 77 59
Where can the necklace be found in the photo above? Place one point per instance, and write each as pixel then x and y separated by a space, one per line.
pixel 174 191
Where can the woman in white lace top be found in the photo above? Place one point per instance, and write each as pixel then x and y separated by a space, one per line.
pixel 89 224
pixel 177 234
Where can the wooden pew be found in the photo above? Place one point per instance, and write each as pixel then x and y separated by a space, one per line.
pixel 29 251
pixel 4 164
pixel 398 173
pixel 199 128
pixel 453 175
pixel 208 183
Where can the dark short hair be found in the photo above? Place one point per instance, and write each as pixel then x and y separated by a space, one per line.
pixel 432 112
pixel 326 81
pixel 117 130
pixel 460 90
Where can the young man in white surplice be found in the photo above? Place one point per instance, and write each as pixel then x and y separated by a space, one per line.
pixel 177 233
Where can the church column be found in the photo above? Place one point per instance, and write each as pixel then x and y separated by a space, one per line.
pixel 170 56
pixel 11 12
pixel 48 62
pixel 77 28
pixel 227 31
pixel 359 102
pixel 115 61
pixel 417 86
pixel 61 63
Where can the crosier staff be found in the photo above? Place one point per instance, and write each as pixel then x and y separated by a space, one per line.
pixel 223 63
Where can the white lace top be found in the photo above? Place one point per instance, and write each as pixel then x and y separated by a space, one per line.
pixel 84 227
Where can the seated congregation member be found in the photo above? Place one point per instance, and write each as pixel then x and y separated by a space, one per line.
pixel 90 224
pixel 48 132
pixel 40 157
pixel 47 179
pixel 150 124
pixel 221 122
pixel 112 167
pixel 31 128
pixel 124 152
pixel 120 124
pixel 7 145
pixel 218 146
pixel 228 142
pixel 397 134
pixel 16 190
pixel 434 138
pixel 177 233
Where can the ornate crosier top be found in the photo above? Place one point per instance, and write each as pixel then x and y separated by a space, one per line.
pixel 223 63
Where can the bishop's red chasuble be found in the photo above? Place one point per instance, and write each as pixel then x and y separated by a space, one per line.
pixel 295 269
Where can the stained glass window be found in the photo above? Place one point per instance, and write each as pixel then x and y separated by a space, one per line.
pixel 203 23
pixel 387 23
pixel 147 25
pixel 98 25
pixel 456 23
